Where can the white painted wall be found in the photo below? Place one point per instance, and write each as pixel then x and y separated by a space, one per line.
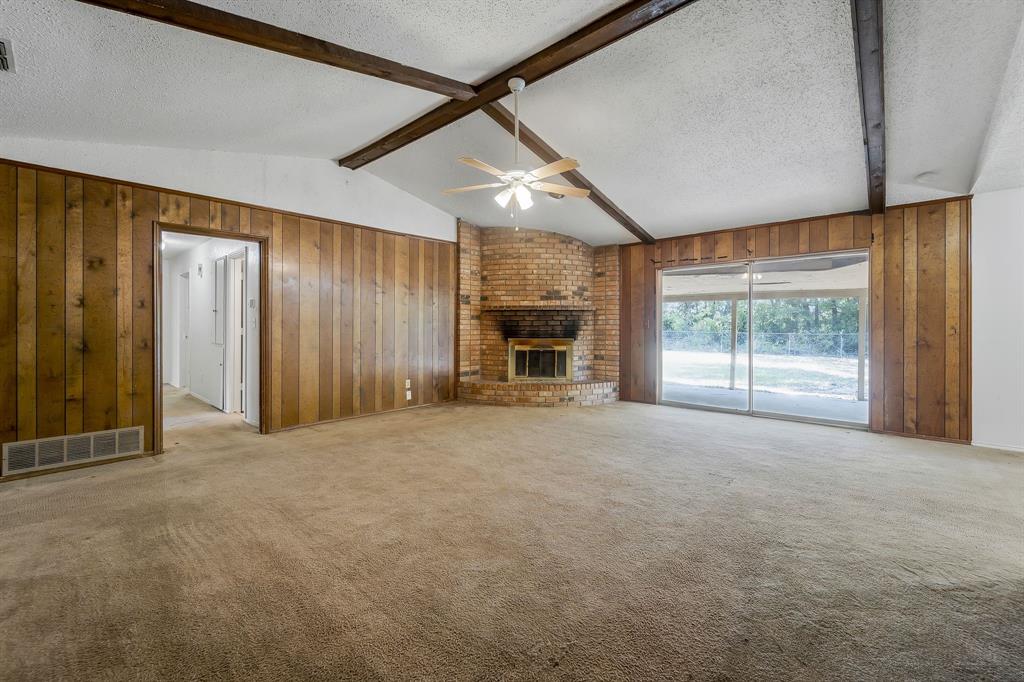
pixel 997 309
pixel 316 187
pixel 206 375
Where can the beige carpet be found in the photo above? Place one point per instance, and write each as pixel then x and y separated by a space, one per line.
pixel 471 542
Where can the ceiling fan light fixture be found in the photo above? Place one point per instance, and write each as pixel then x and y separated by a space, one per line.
pixel 503 197
pixel 523 197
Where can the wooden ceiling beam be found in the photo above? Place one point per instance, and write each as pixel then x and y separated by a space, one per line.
pixel 595 36
pixel 867 40
pixel 196 17
pixel 547 154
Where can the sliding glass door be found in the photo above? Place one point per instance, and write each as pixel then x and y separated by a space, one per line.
pixel 783 337
pixel 809 349
pixel 704 359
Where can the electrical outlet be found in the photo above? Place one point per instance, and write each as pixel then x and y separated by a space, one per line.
pixel 408 395
pixel 408 383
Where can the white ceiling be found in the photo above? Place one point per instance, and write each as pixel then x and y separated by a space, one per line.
pixel 728 112
pixel 465 40
pixel 723 114
pixel 428 166
pixel 945 68
pixel 173 244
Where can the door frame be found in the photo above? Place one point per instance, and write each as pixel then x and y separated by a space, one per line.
pixel 184 352
pixel 159 228
pixel 750 411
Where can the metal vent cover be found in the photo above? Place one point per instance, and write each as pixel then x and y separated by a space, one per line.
pixel 6 55
pixel 46 453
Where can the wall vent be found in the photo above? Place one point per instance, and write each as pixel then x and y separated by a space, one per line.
pixel 46 453
pixel 6 55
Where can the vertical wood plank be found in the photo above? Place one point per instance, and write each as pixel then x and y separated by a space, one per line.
pixel 199 212
pixel 444 320
pixel 707 248
pixel 357 321
pixel 174 208
pixel 910 320
pixel 965 321
pixel 789 239
pixel 8 303
pixel 427 336
pixel 762 242
pixel 804 240
pixel 415 321
pixel 723 246
pixel 861 231
pixel 401 319
pixel 336 232
pixel 26 288
pixel 215 215
pixel 229 217
pixel 276 319
pixel 840 233
pixel 773 243
pixel 50 273
pixel 893 371
pixel 348 308
pixel 100 317
pixel 931 320
pixel 326 345
pixel 74 344
pixel 952 405
pixel 739 245
pixel 817 236
pixel 244 219
pixel 387 318
pixel 145 210
pixel 876 369
pixel 309 321
pixel 125 317
pixel 368 323
pixel 290 335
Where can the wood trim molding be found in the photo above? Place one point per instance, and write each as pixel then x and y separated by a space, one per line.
pixel 867 40
pixel 206 197
pixel 547 154
pixel 595 36
pixel 196 17
pixel 264 333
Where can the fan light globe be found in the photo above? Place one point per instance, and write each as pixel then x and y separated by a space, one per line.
pixel 503 197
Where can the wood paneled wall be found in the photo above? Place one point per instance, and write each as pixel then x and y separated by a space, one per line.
pixel 919 309
pixel 353 311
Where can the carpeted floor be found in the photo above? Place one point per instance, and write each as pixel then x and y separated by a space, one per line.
pixel 470 543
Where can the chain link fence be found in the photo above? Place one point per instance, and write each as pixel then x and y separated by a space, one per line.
pixel 817 344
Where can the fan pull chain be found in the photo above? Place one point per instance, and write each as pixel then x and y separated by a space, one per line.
pixel 515 156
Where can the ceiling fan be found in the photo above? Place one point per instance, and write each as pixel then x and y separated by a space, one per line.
pixel 518 183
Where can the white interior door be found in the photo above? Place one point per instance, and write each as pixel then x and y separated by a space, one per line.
pixel 183 338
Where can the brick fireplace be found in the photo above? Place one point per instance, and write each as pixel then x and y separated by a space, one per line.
pixel 542 288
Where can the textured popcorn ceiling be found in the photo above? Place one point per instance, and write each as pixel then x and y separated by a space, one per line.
pixel 429 165
pixel 726 113
pixel 945 68
pixel 466 40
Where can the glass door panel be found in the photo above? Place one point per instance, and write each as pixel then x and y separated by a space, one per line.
pixel 704 358
pixel 810 337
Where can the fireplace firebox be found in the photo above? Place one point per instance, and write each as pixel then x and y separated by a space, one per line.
pixel 540 359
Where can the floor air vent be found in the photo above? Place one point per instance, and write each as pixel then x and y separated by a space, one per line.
pixel 6 55
pixel 44 453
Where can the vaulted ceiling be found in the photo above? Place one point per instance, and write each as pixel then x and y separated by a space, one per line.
pixel 726 112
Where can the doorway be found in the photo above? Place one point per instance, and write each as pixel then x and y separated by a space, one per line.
pixel 783 337
pixel 211 297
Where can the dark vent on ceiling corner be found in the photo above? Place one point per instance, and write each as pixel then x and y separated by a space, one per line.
pixel 6 56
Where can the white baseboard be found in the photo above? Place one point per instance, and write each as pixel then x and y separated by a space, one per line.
pixel 998 446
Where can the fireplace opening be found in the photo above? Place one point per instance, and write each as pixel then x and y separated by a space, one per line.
pixel 540 359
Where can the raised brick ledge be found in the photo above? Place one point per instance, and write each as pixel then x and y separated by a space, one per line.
pixel 539 394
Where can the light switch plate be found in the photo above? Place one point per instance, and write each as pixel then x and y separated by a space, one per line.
pixel 408 395
pixel 408 383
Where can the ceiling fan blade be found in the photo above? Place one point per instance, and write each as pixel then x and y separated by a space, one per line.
pixel 470 188
pixel 554 168
pixel 560 189
pixel 480 165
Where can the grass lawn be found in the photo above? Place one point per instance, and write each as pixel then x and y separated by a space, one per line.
pixel 821 376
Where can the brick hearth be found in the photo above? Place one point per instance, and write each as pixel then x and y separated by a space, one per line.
pixel 535 284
